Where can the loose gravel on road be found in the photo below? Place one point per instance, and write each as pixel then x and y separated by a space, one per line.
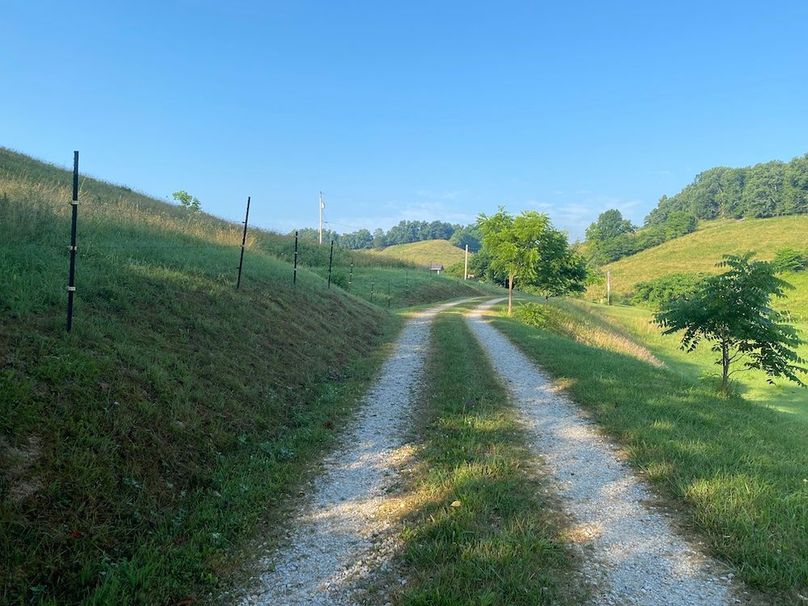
pixel 339 538
pixel 634 554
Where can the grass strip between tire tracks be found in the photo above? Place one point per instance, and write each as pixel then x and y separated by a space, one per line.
pixel 481 531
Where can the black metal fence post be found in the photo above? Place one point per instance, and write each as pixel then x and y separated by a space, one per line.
pixel 71 278
pixel 294 273
pixel 243 241
pixel 330 263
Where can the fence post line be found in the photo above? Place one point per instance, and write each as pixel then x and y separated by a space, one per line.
pixel 243 241
pixel 71 277
pixel 330 263
pixel 294 273
pixel 350 276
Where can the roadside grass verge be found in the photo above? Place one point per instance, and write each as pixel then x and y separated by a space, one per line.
pixel 739 471
pixel 481 532
pixel 141 451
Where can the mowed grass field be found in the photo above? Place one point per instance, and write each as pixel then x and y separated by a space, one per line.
pixel 423 254
pixel 701 250
pixel 638 323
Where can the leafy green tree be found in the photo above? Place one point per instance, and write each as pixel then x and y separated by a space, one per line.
pixel 733 310
pixel 609 225
pixel 188 201
pixel 528 248
pixel 468 235
pixel 379 239
pixel 763 193
pixel 678 224
pixel 359 239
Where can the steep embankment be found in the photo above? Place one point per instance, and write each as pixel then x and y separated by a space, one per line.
pixel 702 249
pixel 137 452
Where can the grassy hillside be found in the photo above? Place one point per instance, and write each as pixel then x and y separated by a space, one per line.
pixel 699 251
pixel 424 253
pixel 140 451
pixel 700 364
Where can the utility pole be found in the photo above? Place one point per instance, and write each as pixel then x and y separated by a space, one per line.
pixel 466 265
pixel 322 206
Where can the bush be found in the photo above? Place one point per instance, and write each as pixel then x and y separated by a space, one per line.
pixel 661 291
pixel 788 259
pixel 532 314
pixel 456 269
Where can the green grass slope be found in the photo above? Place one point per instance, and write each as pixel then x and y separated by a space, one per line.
pixel 736 470
pixel 423 254
pixel 139 452
pixel 701 250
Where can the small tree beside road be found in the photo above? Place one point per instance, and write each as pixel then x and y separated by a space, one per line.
pixel 529 249
pixel 733 311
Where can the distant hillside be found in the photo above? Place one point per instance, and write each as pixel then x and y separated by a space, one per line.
pixel 700 250
pixel 425 253
pixel 769 189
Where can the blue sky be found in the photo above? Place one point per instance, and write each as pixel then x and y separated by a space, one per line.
pixel 405 110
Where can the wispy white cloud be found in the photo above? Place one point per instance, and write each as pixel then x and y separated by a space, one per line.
pixel 575 217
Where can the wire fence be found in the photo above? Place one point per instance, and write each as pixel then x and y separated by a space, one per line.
pixel 351 271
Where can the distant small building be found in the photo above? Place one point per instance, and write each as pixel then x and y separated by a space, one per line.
pixel 436 267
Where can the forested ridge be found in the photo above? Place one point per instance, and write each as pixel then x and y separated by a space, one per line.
pixel 769 189
pixel 404 232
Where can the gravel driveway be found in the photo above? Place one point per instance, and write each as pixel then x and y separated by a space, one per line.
pixel 339 537
pixel 633 555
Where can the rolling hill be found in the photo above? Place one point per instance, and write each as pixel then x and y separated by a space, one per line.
pixel 424 253
pixel 702 249
pixel 699 252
